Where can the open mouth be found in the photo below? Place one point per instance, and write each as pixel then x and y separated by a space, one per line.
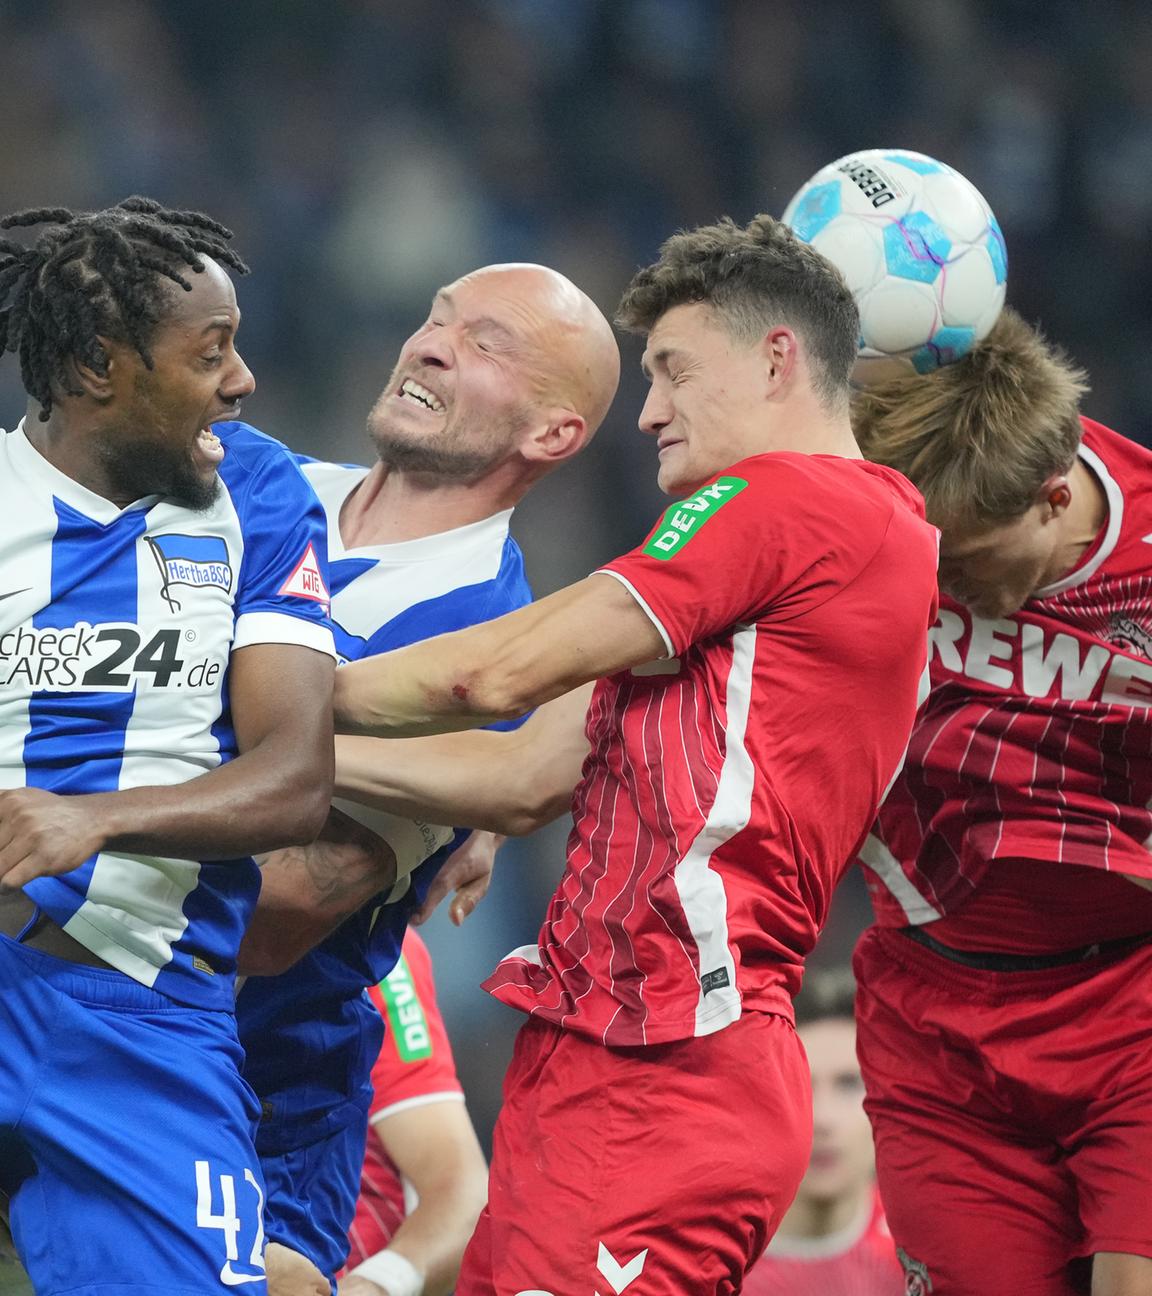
pixel 207 450
pixel 416 394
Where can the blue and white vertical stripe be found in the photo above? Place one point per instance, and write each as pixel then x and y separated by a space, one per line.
pixel 115 632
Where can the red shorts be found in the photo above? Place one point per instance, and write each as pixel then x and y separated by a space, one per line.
pixel 1012 1113
pixel 655 1171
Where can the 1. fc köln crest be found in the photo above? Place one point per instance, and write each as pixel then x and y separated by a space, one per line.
pixel 916 1278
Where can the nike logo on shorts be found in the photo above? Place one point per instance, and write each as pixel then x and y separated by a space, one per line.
pixel 230 1278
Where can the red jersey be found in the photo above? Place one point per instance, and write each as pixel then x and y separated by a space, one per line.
pixel 860 1261
pixel 728 785
pixel 415 1067
pixel 1035 748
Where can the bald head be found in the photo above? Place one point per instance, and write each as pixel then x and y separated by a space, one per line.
pixel 570 350
pixel 507 378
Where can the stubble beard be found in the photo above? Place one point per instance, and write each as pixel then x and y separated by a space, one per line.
pixel 443 458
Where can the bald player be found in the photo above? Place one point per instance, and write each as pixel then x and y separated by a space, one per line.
pixel 507 379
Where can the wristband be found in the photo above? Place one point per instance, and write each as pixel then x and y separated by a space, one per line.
pixel 392 1271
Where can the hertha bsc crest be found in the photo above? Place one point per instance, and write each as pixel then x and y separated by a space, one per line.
pixel 916 1279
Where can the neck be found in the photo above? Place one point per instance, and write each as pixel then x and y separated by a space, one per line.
pixel 805 426
pixel 819 1217
pixel 1080 523
pixel 71 449
pixel 389 506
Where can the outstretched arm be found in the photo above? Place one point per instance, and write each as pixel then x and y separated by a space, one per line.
pixel 499 670
pixel 509 783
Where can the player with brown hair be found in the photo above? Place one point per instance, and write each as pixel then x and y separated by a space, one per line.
pixel 656 1114
pixel 1005 1029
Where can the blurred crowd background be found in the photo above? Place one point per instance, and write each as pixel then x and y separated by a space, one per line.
pixel 368 151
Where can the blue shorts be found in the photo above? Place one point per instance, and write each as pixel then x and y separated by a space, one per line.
pixel 312 1193
pixel 126 1136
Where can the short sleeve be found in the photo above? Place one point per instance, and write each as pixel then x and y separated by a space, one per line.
pixel 282 596
pixel 415 1065
pixel 770 539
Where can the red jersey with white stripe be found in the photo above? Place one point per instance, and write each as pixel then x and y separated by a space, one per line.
pixel 728 786
pixel 1035 749
pixel 860 1261
pixel 415 1067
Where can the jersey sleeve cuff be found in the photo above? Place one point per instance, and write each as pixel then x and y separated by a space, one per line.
pixel 670 651
pixel 279 628
pixel 421 1100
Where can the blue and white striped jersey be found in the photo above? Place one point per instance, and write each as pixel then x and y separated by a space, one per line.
pixel 301 1031
pixel 115 632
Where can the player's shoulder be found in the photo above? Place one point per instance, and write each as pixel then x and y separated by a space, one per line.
pixel 1124 470
pixel 850 506
pixel 816 480
pixel 1120 455
pixel 324 470
pixel 244 444
pixel 255 463
pixel 332 482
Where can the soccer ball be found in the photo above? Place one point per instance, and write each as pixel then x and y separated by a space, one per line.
pixel 920 249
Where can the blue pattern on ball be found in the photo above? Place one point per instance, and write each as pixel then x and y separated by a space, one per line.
pixel 951 343
pixel 916 247
pixel 997 250
pixel 925 360
pixel 945 346
pixel 922 166
pixel 816 210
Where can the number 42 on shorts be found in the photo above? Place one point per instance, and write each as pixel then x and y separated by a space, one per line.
pixel 230 1224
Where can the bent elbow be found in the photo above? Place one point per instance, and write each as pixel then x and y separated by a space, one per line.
pixel 303 814
pixel 491 695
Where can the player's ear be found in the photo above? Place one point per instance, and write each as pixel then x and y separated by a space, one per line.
pixel 99 384
pixel 1055 496
pixel 558 435
pixel 778 349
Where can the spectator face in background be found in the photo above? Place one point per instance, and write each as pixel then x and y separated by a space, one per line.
pixel 512 361
pixel 842 1162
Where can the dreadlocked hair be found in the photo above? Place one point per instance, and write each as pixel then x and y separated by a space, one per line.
pixel 93 274
pixel 979 437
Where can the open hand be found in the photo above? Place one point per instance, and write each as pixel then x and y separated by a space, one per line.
pixel 467 872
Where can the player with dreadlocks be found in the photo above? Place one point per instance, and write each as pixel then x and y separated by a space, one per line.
pixel 165 711
pixel 108 277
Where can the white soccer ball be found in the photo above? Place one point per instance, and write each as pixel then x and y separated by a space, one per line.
pixel 920 249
